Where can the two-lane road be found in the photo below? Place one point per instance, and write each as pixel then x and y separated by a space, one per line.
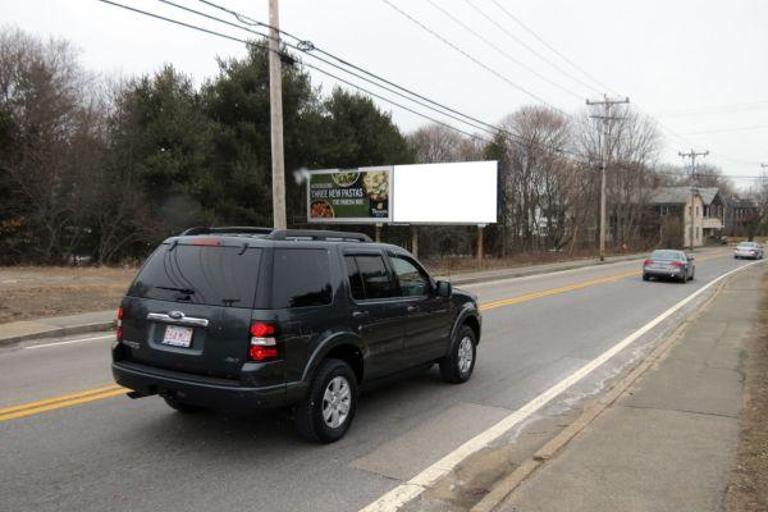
pixel 110 451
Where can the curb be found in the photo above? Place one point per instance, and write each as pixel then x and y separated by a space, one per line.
pixel 507 485
pixel 58 331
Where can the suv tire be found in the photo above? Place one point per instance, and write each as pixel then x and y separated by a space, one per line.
pixel 173 403
pixel 327 412
pixel 457 366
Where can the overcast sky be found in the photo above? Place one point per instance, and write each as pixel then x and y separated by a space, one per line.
pixel 699 67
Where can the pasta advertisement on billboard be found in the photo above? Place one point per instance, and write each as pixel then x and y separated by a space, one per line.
pixel 350 195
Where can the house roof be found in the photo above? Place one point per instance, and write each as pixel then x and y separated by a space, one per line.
pixel 708 194
pixel 738 202
pixel 670 195
pixel 680 195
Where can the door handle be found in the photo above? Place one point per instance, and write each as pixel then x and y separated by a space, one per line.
pixel 359 314
pixel 412 308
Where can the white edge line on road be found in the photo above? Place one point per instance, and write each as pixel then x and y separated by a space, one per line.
pixel 407 491
pixel 69 342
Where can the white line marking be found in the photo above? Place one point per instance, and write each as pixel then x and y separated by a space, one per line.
pixel 68 342
pixel 411 489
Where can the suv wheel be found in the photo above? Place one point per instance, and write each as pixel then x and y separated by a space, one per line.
pixel 457 366
pixel 327 412
pixel 173 403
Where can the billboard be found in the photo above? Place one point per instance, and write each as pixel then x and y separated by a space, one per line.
pixel 446 193
pixel 357 196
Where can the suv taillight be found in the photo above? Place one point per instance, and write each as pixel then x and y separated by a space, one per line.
pixel 119 324
pixel 263 342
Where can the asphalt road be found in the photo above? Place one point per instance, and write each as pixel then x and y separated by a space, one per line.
pixel 140 455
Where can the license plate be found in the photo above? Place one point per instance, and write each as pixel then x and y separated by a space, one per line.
pixel 176 336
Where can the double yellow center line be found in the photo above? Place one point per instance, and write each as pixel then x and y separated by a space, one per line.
pixel 485 306
pixel 91 395
pixel 59 402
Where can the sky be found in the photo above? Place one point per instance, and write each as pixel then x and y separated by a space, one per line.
pixel 700 68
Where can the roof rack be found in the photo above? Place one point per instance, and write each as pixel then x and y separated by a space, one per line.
pixel 243 230
pixel 318 234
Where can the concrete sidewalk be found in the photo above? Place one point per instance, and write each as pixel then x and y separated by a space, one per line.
pixel 14 332
pixel 669 442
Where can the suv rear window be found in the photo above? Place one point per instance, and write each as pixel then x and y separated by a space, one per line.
pixel 302 277
pixel 212 275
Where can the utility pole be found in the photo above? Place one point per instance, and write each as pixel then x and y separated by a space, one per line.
pixel 276 119
pixel 606 119
pixel 693 155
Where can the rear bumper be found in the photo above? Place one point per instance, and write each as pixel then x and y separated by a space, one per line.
pixel 663 273
pixel 745 255
pixel 198 390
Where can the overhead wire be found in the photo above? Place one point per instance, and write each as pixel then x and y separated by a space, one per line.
pixel 528 47
pixel 471 57
pixel 501 51
pixel 308 65
pixel 552 48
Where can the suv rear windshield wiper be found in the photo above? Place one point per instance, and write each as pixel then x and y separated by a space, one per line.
pixel 185 291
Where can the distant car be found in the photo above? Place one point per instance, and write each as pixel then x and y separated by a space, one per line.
pixel 750 250
pixel 669 264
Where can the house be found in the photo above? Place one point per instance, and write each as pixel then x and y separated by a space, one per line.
pixel 677 210
pixel 739 215
pixel 714 212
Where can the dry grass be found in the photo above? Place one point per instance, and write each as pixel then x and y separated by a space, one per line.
pixel 748 491
pixel 36 292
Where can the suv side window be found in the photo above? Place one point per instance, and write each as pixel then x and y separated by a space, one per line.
pixel 355 279
pixel 302 277
pixel 413 281
pixel 376 281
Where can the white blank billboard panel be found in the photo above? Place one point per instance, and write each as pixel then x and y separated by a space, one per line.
pixel 448 193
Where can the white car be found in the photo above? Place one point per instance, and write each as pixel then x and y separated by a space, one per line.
pixel 751 250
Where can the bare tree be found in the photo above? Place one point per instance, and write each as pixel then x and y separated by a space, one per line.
pixel 535 178
pixel 634 145
pixel 42 93
pixel 436 143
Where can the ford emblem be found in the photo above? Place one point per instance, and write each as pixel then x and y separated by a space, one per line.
pixel 176 315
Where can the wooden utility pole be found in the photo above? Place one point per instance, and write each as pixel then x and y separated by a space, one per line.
pixel 276 119
pixel 606 118
pixel 692 155
pixel 480 245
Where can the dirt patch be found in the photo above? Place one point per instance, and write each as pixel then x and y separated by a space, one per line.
pixel 748 491
pixel 36 292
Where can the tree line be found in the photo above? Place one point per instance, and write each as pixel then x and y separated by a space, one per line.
pixel 104 169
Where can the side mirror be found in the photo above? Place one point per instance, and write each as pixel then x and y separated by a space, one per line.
pixel 444 289
pixel 691 257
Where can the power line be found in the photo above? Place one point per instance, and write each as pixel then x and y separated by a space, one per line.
pixel 471 57
pixel 318 69
pixel 528 47
pixel 307 47
pixel 500 50
pixel 487 127
pixel 552 48
pixel 729 130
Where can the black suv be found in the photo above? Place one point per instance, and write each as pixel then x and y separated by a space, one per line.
pixel 258 318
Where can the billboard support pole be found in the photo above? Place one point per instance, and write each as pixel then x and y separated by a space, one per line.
pixel 378 232
pixel 414 241
pixel 480 247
